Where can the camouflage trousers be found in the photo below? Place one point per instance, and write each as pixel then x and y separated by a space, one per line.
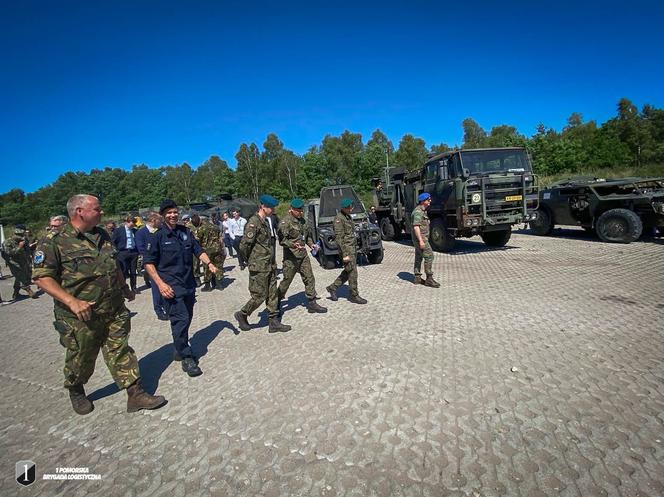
pixel 217 259
pixel 425 254
pixel 22 274
pixel 83 339
pixel 263 288
pixel 291 267
pixel 349 274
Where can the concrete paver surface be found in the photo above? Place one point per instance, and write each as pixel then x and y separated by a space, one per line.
pixel 534 370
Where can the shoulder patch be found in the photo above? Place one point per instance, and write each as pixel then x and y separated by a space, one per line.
pixel 39 257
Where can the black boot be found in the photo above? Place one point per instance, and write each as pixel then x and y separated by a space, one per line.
pixel 138 399
pixel 314 308
pixel 190 367
pixel 430 282
pixel 276 326
pixel 207 287
pixel 356 299
pixel 81 404
pixel 242 321
pixel 333 293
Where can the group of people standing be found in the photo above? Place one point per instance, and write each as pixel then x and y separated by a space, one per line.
pixel 84 269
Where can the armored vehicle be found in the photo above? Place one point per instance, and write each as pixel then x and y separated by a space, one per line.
pixel 618 210
pixel 474 192
pixel 320 213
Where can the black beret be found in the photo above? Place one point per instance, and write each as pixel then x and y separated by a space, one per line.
pixel 167 204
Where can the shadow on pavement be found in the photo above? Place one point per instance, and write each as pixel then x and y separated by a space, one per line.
pixel 153 365
pixel 294 301
pixel 403 275
pixel 464 246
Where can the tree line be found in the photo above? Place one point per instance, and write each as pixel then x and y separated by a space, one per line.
pixel 631 138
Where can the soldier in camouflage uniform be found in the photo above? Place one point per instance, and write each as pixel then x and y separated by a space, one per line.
pixel 210 238
pixel 294 236
pixel 78 268
pixel 258 248
pixel 18 255
pixel 344 231
pixel 420 234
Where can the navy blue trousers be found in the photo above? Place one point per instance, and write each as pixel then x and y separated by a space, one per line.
pixel 180 311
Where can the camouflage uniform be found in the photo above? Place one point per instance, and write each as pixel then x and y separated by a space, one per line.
pixel 291 231
pixel 209 237
pixel 257 247
pixel 344 231
pixel 19 261
pixel 420 218
pixel 84 265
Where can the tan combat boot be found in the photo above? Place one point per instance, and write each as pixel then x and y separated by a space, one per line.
pixel 277 327
pixel 138 399
pixel 431 282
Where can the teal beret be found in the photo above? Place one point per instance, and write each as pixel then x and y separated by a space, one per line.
pixel 297 203
pixel 269 201
pixel 346 202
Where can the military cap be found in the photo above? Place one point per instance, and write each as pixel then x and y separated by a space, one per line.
pixel 423 196
pixel 167 204
pixel 19 231
pixel 269 201
pixel 346 202
pixel 297 203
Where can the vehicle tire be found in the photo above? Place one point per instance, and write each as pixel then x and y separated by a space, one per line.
pixel 441 240
pixel 542 225
pixel 386 229
pixel 496 238
pixel 619 226
pixel 376 256
pixel 328 262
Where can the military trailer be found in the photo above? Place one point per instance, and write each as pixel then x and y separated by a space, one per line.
pixel 617 210
pixel 474 192
pixel 319 215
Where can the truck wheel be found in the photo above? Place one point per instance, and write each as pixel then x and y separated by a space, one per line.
pixel 440 239
pixel 326 261
pixel 542 224
pixel 386 229
pixel 376 256
pixel 496 238
pixel 619 226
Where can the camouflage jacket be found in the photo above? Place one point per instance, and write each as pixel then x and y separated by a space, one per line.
pixel 209 237
pixel 18 256
pixel 291 231
pixel 257 245
pixel 420 218
pixel 84 265
pixel 344 231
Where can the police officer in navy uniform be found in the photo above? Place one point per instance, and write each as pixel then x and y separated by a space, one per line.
pixel 169 262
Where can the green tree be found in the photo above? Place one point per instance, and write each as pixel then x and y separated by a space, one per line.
pixel 412 152
pixel 473 134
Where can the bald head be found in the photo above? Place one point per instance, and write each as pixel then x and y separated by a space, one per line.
pixel 76 202
pixel 84 211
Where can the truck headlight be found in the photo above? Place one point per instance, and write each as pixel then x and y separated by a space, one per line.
pixel 475 199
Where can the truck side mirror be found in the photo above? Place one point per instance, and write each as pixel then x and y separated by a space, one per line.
pixel 465 173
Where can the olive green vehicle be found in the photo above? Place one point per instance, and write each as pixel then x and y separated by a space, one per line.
pixel 617 210
pixel 473 192
pixel 319 215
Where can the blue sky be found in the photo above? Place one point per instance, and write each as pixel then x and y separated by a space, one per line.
pixel 92 84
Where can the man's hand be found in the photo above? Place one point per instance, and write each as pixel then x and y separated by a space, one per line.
pixel 422 244
pixel 166 291
pixel 299 246
pixel 212 268
pixel 346 259
pixel 21 244
pixel 81 308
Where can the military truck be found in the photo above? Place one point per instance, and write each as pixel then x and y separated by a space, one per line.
pixel 319 215
pixel 474 192
pixel 617 210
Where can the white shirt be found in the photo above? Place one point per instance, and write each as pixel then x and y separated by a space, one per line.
pixel 236 228
pixel 226 226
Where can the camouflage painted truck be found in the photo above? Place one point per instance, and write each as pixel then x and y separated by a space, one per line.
pixel 474 192
pixel 617 210
pixel 319 215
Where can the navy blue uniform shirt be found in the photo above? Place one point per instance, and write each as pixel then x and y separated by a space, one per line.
pixel 171 251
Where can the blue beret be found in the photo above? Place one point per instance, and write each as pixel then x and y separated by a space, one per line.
pixel 269 201
pixel 297 203
pixel 346 202
pixel 423 196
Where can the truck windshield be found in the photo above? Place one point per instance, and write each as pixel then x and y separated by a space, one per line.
pixel 330 201
pixel 495 161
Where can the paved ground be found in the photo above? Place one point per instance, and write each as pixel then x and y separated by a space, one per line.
pixel 535 370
